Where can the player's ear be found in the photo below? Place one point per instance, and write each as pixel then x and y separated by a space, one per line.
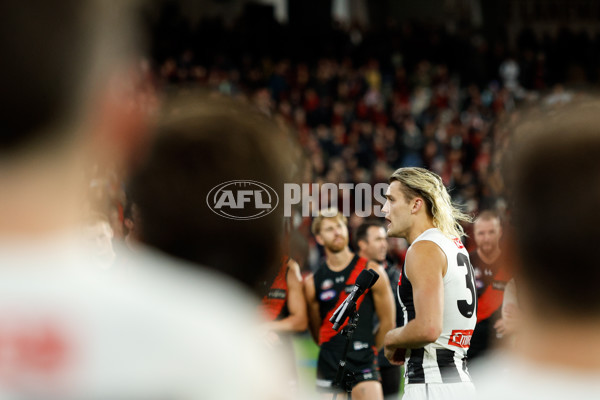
pixel 417 204
pixel 361 244
pixel 319 239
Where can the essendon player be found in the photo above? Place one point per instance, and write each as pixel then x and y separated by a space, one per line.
pixel 490 280
pixel 371 242
pixel 436 288
pixel 326 290
pixel 284 307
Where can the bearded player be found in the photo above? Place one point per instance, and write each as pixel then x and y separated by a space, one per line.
pixel 326 290
pixel 436 288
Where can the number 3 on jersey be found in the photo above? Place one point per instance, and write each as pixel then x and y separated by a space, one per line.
pixel 466 308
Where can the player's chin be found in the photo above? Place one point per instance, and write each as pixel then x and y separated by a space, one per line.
pixel 336 248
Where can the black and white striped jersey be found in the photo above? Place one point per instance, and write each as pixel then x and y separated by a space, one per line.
pixel 444 361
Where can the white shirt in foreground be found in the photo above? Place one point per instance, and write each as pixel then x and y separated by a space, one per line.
pixel 509 378
pixel 148 328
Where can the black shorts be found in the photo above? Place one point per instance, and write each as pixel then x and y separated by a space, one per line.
pixel 361 361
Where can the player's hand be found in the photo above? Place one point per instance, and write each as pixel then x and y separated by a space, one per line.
pixel 511 317
pixel 500 327
pixel 272 339
pixel 395 356
pixel 510 311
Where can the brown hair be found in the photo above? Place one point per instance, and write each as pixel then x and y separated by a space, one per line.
pixel 204 141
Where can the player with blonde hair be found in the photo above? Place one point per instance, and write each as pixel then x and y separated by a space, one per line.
pixel 436 288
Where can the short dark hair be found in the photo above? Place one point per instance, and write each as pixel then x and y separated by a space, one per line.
pixel 553 172
pixel 52 53
pixel 361 231
pixel 201 143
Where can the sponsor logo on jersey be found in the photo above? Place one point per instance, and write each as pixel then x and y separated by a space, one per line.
pixel 328 295
pixel 360 345
pixel 339 279
pixel 458 243
pixel 327 284
pixel 276 294
pixel 461 338
pixel 242 199
pixel 367 376
pixel 348 289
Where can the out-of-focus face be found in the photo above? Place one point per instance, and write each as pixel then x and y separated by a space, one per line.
pixel 333 235
pixel 487 235
pixel 375 246
pixel 397 211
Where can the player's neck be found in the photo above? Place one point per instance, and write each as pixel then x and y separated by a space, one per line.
pixel 38 201
pixel 420 226
pixel 489 258
pixel 340 260
pixel 543 342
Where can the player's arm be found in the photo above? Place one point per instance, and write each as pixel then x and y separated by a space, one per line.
pixel 384 304
pixel 425 266
pixel 314 316
pixel 297 321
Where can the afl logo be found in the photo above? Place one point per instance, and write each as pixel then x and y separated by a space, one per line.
pixel 242 199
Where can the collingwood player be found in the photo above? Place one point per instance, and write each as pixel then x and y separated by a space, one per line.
pixel 436 288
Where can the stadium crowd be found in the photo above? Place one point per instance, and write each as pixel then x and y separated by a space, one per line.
pixel 409 95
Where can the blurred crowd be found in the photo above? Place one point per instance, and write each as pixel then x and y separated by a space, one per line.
pixel 411 95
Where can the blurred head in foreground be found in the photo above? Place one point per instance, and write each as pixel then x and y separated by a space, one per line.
pixel 552 170
pixel 66 105
pixel 203 142
pixel 554 177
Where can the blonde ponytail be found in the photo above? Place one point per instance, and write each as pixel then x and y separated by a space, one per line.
pixel 419 182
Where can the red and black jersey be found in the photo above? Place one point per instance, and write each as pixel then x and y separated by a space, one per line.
pixel 490 280
pixel 332 288
pixel 274 303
